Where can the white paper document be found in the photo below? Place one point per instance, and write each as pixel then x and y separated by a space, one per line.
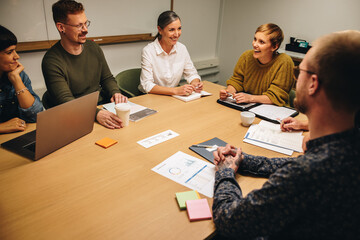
pixel 269 135
pixel 192 96
pixel 273 112
pixel 158 138
pixel 189 171
pixel 134 110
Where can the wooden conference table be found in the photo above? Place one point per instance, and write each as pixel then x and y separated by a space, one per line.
pixel 83 191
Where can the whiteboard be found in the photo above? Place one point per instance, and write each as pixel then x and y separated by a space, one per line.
pixel 32 20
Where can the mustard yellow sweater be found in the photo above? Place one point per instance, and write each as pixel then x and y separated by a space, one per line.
pixel 274 79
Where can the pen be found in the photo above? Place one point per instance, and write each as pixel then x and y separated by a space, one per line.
pixel 202 146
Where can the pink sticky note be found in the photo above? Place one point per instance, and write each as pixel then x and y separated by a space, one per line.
pixel 198 209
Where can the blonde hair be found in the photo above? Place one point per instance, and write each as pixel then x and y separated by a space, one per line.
pixel 275 32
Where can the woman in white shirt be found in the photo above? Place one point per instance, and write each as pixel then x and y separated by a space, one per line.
pixel 165 60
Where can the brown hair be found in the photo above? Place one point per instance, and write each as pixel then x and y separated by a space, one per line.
pixel 62 8
pixel 336 62
pixel 165 19
pixel 275 32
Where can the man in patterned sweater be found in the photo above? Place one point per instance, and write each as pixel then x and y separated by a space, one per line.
pixel 316 195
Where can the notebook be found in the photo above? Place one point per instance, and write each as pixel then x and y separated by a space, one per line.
pixel 56 127
pixel 192 96
pixel 207 152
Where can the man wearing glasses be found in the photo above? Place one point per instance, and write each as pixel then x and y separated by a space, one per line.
pixel 315 195
pixel 74 66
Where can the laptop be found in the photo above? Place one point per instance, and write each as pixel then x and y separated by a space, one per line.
pixel 56 127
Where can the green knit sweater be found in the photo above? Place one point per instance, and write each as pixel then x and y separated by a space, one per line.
pixel 274 79
pixel 70 76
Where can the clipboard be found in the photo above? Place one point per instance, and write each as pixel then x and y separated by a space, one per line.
pixel 277 113
pixel 207 153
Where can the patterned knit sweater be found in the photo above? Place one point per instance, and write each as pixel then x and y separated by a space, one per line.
pixel 274 79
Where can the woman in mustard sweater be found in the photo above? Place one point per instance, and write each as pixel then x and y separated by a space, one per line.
pixel 262 75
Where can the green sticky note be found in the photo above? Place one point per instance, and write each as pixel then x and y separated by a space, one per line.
pixel 182 197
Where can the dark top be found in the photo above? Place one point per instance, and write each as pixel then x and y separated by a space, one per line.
pixel 70 76
pixel 313 196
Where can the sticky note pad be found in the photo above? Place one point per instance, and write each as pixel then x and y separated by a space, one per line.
pixel 106 142
pixel 181 197
pixel 198 209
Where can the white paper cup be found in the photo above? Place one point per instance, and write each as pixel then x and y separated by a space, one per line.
pixel 247 118
pixel 123 112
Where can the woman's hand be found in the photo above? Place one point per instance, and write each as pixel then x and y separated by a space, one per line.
pixel 223 94
pixel 14 76
pixel 13 125
pixel 243 97
pixel 197 84
pixel 184 90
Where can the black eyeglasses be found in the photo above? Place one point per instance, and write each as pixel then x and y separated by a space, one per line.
pixel 81 25
pixel 297 71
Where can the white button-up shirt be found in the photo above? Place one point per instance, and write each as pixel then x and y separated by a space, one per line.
pixel 160 68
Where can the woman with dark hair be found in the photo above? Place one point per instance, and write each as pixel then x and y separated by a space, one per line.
pixel 18 102
pixel 165 60
pixel 262 75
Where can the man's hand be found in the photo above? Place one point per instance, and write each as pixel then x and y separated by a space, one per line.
pixel 305 140
pixel 109 120
pixel 227 157
pixel 289 124
pixel 13 125
pixel 118 98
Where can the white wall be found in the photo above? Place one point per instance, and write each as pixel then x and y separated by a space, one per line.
pixel 305 19
pixel 200 30
pixel 233 28
pixel 119 57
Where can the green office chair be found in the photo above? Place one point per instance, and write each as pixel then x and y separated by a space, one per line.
pixel 46 100
pixel 292 96
pixel 128 82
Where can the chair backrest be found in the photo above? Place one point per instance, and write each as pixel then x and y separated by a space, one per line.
pixel 46 100
pixel 128 82
pixel 292 95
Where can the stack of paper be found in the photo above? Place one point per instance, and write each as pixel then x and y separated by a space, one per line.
pixel 269 135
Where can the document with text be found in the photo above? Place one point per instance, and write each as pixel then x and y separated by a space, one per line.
pixel 270 136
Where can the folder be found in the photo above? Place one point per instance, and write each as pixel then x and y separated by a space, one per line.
pixel 207 152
